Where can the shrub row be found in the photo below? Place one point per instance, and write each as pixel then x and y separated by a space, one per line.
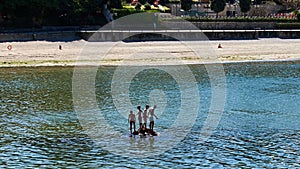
pixel 126 11
pixel 242 19
pixel 118 13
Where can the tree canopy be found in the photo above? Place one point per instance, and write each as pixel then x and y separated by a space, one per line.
pixel 245 5
pixel 35 13
pixel 218 5
pixel 186 4
pixel 116 4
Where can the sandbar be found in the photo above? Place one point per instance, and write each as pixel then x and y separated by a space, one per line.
pixel 60 53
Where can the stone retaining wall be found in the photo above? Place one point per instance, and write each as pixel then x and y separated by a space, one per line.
pixel 144 36
pixel 192 35
pixel 50 36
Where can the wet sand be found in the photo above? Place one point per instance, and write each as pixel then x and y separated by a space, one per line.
pixel 44 53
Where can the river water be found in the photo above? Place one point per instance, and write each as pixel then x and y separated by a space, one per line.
pixel 259 128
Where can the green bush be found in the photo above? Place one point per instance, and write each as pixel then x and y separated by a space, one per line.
pixel 138 6
pixel 240 19
pixel 298 16
pixel 123 12
pixel 153 11
pixel 147 6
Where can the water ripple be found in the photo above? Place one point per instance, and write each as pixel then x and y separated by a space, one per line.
pixel 259 128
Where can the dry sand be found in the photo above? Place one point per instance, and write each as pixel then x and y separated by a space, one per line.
pixel 43 53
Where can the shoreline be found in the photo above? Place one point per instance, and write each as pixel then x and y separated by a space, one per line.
pixel 48 54
pixel 73 64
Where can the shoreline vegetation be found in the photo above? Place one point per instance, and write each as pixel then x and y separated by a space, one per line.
pixel 45 53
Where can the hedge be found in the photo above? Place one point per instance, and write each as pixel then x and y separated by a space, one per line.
pixel 241 19
pixel 123 12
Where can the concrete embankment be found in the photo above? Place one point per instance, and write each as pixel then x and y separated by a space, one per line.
pixel 45 35
pixel 144 35
pixel 189 34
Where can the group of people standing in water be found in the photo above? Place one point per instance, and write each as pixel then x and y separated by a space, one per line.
pixel 142 117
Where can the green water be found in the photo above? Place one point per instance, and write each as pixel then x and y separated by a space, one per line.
pixel 259 126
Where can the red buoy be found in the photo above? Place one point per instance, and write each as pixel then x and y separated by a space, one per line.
pixel 9 47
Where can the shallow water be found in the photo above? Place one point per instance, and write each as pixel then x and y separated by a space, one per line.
pixel 259 128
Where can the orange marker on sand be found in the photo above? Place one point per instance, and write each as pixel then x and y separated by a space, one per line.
pixel 9 47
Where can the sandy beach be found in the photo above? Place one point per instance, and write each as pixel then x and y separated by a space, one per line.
pixel 44 53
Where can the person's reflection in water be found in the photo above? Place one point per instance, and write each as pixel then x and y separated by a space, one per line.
pixel 151 141
pixel 142 144
pixel 132 141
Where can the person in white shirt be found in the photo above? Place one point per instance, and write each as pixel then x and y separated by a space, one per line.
pixel 151 117
pixel 145 115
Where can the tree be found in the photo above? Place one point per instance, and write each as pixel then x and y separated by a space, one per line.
pixel 245 6
pixel 150 2
pixel 218 6
pixel 37 13
pixel 143 2
pixel 116 4
pixel 186 4
pixel 163 2
pixel 258 2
